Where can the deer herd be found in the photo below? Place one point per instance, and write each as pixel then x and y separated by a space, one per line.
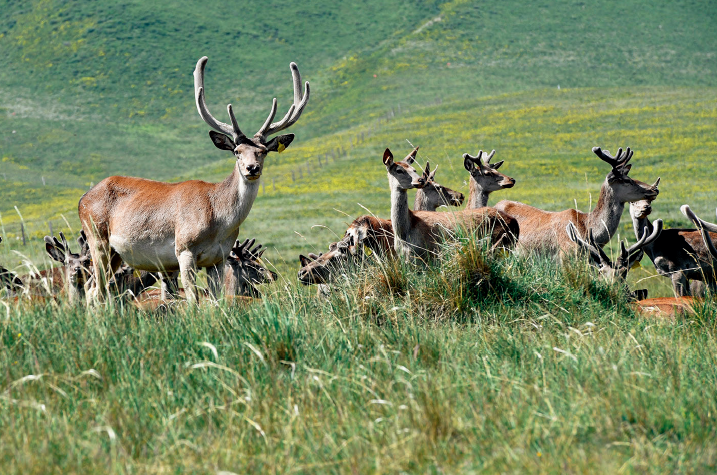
pixel 138 232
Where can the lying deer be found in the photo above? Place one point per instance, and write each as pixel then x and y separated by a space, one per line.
pixel 9 279
pixel 243 270
pixel 682 255
pixel 160 227
pixel 75 267
pixel 543 231
pixel 616 271
pixel 418 233
pixel 484 178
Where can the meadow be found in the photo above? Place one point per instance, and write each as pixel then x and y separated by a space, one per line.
pixel 476 364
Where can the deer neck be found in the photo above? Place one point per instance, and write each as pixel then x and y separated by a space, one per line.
pixel 639 225
pixel 477 196
pixel 422 203
pixel 605 218
pixel 400 214
pixel 234 197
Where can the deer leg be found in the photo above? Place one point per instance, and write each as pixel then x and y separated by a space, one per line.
pixel 188 273
pixel 680 284
pixel 698 288
pixel 101 258
pixel 215 278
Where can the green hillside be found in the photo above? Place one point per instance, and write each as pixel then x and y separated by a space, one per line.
pixel 92 89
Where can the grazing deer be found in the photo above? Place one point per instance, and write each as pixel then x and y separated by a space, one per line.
pixel 616 272
pixel 75 267
pixel 157 226
pixel 9 279
pixel 419 232
pixel 243 270
pixel 682 255
pixel 484 178
pixel 543 231
pixel 433 195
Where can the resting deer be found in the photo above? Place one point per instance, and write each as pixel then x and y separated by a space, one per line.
pixel 616 272
pixel 484 178
pixel 419 232
pixel 682 255
pixel 433 195
pixel 157 226
pixel 243 270
pixel 9 279
pixel 544 231
pixel 75 267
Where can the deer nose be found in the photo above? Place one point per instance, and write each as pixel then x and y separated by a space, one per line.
pixel 253 169
pixel 420 183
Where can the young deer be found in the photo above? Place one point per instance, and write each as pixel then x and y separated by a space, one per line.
pixel 484 178
pixel 419 232
pixel 616 272
pixel 543 231
pixel 75 267
pixel 243 270
pixel 164 227
pixel 682 255
pixel 433 195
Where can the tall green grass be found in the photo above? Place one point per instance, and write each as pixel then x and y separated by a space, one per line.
pixel 498 364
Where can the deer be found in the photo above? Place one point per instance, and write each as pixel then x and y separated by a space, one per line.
pixel 9 279
pixel 682 255
pixel 616 271
pixel 372 233
pixel 164 227
pixel 543 231
pixel 243 270
pixel 484 178
pixel 75 268
pixel 434 195
pixel 418 233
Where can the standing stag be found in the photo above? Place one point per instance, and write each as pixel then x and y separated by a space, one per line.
pixel 164 227
pixel 418 233
pixel 484 178
pixel 544 231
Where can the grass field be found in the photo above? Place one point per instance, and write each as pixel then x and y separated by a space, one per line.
pixel 487 365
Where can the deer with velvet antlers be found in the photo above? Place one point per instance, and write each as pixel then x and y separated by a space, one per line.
pixel 165 227
pixel 544 231
pixel 484 178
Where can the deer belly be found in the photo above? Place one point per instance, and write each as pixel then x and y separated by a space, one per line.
pixel 146 254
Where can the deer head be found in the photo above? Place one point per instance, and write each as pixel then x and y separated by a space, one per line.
pixel 643 208
pixel 486 174
pixel 9 279
pixel 244 269
pixel 401 175
pixel 76 267
pixel 317 269
pixel 433 195
pixel 625 188
pixel 615 271
pixel 250 152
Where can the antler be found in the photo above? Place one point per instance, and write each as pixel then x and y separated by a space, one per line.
pixel 244 250
pixel 300 101
pixel 204 113
pixel 619 160
pixel 645 240
pixel 595 250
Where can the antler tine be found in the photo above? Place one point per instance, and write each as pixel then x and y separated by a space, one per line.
pixel 489 157
pixel 605 156
pixel 300 101
pixel 604 259
pixel 268 120
pixel 575 237
pixel 204 113
pixel 698 222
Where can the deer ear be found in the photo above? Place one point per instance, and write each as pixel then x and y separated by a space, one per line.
pixel 304 260
pixel 279 143
pixel 387 158
pixel 54 252
pixel 467 162
pixel 427 171
pixel 411 157
pixel 496 165
pixel 221 141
